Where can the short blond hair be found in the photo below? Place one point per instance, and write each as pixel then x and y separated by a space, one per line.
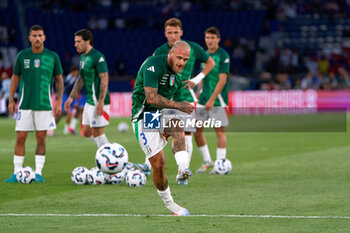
pixel 182 44
pixel 173 22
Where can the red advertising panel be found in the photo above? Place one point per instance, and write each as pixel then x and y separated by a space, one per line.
pixel 259 102
pixel 121 104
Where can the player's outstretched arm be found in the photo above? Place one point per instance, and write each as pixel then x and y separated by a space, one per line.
pixel 209 65
pixel 103 91
pixel 153 98
pixel 13 87
pixel 59 92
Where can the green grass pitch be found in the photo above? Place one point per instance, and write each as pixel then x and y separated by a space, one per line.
pixel 276 179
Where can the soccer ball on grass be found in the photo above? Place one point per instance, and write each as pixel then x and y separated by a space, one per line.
pixel 135 178
pixel 222 166
pixel 123 127
pixel 96 177
pixel 129 167
pixel 79 175
pixel 111 158
pixel 115 178
pixel 25 175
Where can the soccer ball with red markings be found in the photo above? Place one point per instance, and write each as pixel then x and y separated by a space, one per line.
pixel 111 158
pixel 135 178
pixel 25 175
pixel 222 166
pixel 96 177
pixel 116 178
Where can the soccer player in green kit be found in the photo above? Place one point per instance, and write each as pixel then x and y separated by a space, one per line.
pixel 33 70
pixel 214 99
pixel 93 73
pixel 173 32
pixel 156 83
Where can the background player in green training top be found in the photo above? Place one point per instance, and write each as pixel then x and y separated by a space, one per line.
pixel 33 70
pixel 173 32
pixel 93 73
pixel 156 83
pixel 214 99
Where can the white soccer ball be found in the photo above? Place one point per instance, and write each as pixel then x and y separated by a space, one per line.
pixel 96 177
pixel 222 166
pixel 111 158
pixel 79 175
pixel 94 169
pixel 123 127
pixel 129 167
pixel 25 175
pixel 115 178
pixel 135 178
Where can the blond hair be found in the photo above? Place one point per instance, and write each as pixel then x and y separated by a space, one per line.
pixel 173 22
pixel 182 44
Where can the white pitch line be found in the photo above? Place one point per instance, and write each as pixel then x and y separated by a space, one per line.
pixel 163 215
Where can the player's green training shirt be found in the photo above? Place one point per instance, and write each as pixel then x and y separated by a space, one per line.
pixel 91 65
pixel 154 72
pixel 222 65
pixel 197 54
pixel 36 71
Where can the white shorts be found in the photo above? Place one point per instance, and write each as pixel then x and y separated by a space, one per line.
pixel 29 120
pixel 151 142
pixel 217 113
pixel 90 118
pixel 174 113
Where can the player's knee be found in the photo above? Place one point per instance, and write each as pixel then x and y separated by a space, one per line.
pixel 179 135
pixel 41 138
pixel 96 132
pixel 21 139
pixel 175 127
pixel 87 133
pixel 179 129
pixel 221 136
pixel 157 162
pixel 199 130
pixel 198 134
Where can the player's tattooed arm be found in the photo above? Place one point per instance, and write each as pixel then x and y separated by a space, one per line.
pixel 77 87
pixel 155 99
pixel 59 87
pixel 103 91
pixel 103 86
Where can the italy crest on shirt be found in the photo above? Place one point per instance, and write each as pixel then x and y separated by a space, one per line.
pixel 172 80
pixel 37 63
